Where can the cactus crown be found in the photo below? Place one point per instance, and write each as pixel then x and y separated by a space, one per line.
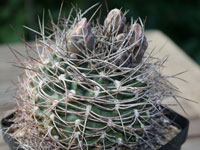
pixel 92 88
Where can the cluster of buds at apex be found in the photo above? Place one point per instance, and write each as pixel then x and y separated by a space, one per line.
pixel 115 22
pixel 80 37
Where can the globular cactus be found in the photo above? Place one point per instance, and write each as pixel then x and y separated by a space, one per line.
pixel 92 88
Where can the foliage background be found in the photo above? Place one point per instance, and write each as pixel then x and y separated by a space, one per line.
pixel 179 19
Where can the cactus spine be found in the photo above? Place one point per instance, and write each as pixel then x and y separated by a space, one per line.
pixel 92 88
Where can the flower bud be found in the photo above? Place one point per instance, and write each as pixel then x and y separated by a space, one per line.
pixel 115 22
pixel 138 31
pixel 120 37
pixel 125 60
pixel 80 37
pixel 140 50
pixel 139 38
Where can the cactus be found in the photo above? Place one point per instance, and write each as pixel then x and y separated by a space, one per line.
pixel 91 87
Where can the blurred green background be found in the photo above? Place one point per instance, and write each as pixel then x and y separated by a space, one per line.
pixel 179 19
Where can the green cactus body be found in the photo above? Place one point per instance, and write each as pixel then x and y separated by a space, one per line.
pixel 90 89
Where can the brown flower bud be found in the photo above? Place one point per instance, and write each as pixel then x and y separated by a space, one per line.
pixel 137 32
pixel 133 56
pixel 139 38
pixel 125 60
pixel 115 22
pixel 80 37
pixel 120 37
